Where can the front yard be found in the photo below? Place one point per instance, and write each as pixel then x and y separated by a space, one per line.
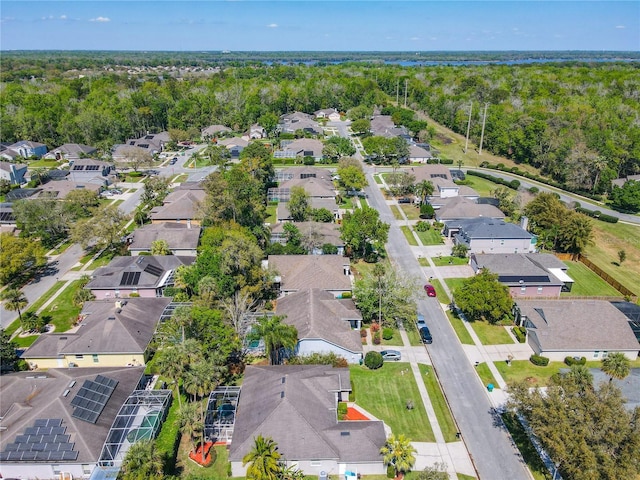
pixel 409 235
pixel 430 237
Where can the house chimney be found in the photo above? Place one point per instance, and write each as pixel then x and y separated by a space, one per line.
pixel 118 304
pixel 346 270
pixel 188 223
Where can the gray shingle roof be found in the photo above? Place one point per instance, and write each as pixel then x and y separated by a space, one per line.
pixel 513 267
pixel 299 413
pixel 301 272
pixel 105 329
pixel 177 235
pixel 575 325
pixel 482 227
pixel 318 314
pixel 315 187
pixel 458 208
pixel 180 205
pixel 330 232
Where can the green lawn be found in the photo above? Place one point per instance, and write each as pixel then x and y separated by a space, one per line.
pixel 442 295
pixel 412 333
pixel 409 236
pixel 62 312
pixel 43 163
pixel 363 269
pixel 587 282
pixel 490 334
pixel 525 370
pixel 180 178
pixel 445 419
pixel 395 341
pixel 377 179
pixel 271 214
pixel 423 262
pixel 529 453
pixel 446 261
pixel 486 377
pixel 168 437
pixel 454 283
pixel 395 209
pixel 462 476
pixel 458 325
pixel 24 342
pixel 47 295
pixel 62 247
pixel 411 211
pixel 430 237
pixel 481 185
pixel 385 392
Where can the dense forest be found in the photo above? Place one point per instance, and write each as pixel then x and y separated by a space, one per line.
pixel 577 122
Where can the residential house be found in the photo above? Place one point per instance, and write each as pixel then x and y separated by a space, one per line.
pixel 619 182
pixel 488 235
pixel 325 324
pixel 87 170
pixel 110 333
pixel 283 213
pixel 56 424
pixel 430 172
pixel 213 131
pixel 383 126
pixel 526 274
pixel 70 152
pixel 316 181
pixel 576 328
pixel 151 143
pixel 303 147
pixel 257 132
pixel 235 145
pixel 330 114
pixel 331 273
pixel 145 275
pixel 419 154
pixel 24 149
pixel 292 122
pixel 296 406
pixel 323 233
pixel 59 189
pixel 13 173
pixel 183 205
pixel 182 238
pixel 462 208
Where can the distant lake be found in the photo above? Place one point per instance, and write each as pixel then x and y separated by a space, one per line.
pixel 458 63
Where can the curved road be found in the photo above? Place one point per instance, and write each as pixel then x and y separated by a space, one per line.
pixel 489 444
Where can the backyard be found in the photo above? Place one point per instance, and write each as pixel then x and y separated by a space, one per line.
pixel 384 392
pixel 587 282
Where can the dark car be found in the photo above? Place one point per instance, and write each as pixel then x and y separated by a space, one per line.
pixel 404 200
pixel 431 291
pixel 391 355
pixel 425 335
pixel 173 161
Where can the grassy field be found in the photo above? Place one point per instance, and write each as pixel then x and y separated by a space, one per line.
pixel 180 178
pixel 271 214
pixel 442 295
pixel 491 334
pixel 62 312
pixel 458 325
pixel 446 261
pixel 525 370
pixel 430 237
pixel 529 453
pixel 397 214
pixel 411 211
pixel 409 236
pixel 412 333
pixel 362 268
pixel 481 185
pixel 385 392
pixel 587 283
pixel 486 377
pixel 445 419
pixel 609 238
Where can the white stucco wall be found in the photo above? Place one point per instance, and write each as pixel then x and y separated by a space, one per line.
pixel 34 471
pixel 307 346
pixel 502 246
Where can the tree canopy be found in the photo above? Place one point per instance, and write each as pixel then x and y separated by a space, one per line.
pixel 627 197
pixel 483 297
pixel 363 231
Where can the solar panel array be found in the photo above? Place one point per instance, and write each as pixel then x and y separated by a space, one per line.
pixel 44 441
pixel 130 278
pixel 78 167
pixel 92 398
pixel 7 217
pixel 153 270
pixel 92 167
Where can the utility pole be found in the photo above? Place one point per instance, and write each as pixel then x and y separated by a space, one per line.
pixel 405 93
pixel 484 119
pixel 397 92
pixel 466 143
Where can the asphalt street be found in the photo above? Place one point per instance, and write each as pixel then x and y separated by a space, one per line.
pixel 489 444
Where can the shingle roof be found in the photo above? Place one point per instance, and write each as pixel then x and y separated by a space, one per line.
pixel 306 144
pixel 318 314
pixel 213 129
pixel 458 208
pixel 483 227
pixel 105 329
pixel 44 391
pixel 61 188
pixel 180 205
pixel 429 172
pixel 300 272
pixel 177 235
pixel 530 268
pixel 575 325
pixel 295 405
pixel 329 232
pixel 315 187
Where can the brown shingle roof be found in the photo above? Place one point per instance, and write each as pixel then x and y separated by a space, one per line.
pixel 301 272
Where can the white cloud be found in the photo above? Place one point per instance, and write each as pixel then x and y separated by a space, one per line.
pixel 63 17
pixel 620 27
pixel 273 25
pixel 100 19
pixel 415 38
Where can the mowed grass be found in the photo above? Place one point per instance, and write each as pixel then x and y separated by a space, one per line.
pixel 377 179
pixel 461 331
pixel 62 312
pixel 609 239
pixel 271 214
pixel 430 237
pixel 397 214
pixel 587 282
pixel 440 292
pixel 409 235
pixel 481 185
pixel 446 261
pixel 411 211
pixel 526 448
pixel 486 377
pixel 454 284
pixel 440 407
pixel 490 334
pixel 384 392
pixel 525 370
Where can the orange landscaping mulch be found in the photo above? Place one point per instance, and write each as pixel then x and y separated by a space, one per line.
pixel 197 456
pixel 353 414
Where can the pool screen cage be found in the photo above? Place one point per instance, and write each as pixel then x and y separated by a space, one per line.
pixel 139 418
pixel 221 414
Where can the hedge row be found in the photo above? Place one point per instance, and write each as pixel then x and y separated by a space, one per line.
pixel 598 214
pixel 520 333
pixel 537 178
pixel 539 360
pixel 443 161
pixel 514 184
pixel 573 361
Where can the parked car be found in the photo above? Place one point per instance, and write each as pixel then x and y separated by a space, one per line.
pixel 391 355
pixel 425 335
pixel 404 200
pixel 431 291
pixel 173 161
pixel 420 322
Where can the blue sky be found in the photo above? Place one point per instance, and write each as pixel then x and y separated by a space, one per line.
pixel 390 25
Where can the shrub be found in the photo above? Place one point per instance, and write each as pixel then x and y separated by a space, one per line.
pixel 134 295
pixel 438 225
pixel 363 332
pixel 534 190
pixel 309 161
pixel 484 164
pixel 342 410
pixel 352 393
pixel 387 333
pixel 575 361
pixel 446 161
pixel 426 211
pixel 515 184
pixel 422 226
pixel 391 471
pixel 376 338
pixel 373 360
pixel 539 360
pixel 520 333
pixel 346 295
pixel 375 327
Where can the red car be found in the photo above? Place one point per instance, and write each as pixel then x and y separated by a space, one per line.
pixel 431 292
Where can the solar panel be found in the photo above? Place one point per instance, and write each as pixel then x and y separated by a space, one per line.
pixel 92 397
pixel 78 167
pixel 153 270
pixel 69 455
pixel 38 443
pixel 41 422
pixel 6 217
pixel 130 278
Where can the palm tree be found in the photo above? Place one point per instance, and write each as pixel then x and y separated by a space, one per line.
pixel 400 453
pixel 276 335
pixel 580 377
pixel 424 189
pixel 143 461
pixel 616 365
pixel 263 460
pixel 191 423
pixel 14 300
